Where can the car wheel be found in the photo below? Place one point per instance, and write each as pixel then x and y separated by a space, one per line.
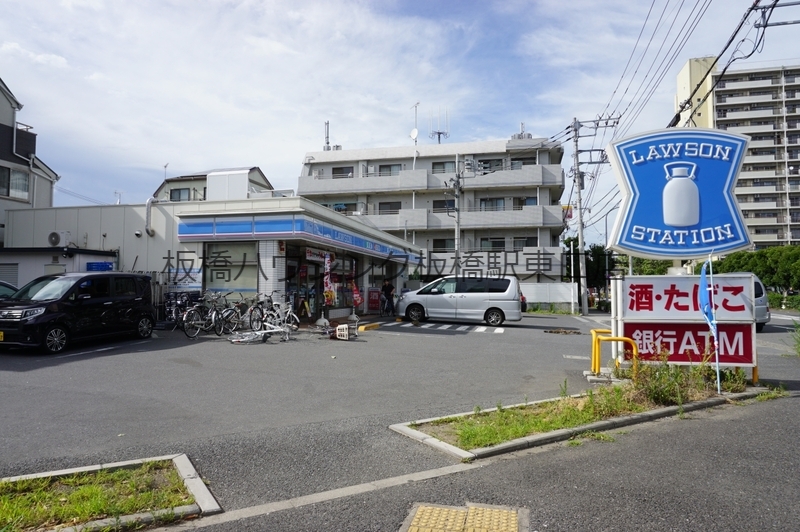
pixel 144 327
pixel 494 317
pixel 760 327
pixel 415 313
pixel 55 339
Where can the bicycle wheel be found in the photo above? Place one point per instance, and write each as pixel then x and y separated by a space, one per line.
pixel 256 319
pixel 191 323
pixel 230 320
pixel 219 323
pixel 292 321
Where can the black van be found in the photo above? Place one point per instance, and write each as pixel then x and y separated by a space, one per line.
pixel 52 311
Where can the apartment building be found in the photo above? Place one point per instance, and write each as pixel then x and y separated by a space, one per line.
pixel 763 104
pixel 25 180
pixel 509 203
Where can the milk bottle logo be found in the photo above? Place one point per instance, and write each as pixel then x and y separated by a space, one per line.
pixel 681 197
pixel 678 193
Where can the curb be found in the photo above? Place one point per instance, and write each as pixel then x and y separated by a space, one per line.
pixel 562 434
pixel 368 327
pixel 205 503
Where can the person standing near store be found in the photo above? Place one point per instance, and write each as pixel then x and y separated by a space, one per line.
pixel 388 293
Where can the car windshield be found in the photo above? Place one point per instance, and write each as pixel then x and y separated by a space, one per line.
pixel 44 289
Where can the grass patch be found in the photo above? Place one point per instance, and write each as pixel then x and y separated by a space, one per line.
pixel 653 386
pixel 45 503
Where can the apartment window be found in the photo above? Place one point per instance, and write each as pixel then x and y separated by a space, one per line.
pixel 179 194
pixel 389 207
pixel 444 244
pixel 446 167
pixel 490 165
pixel 525 242
pixel 521 202
pixel 389 169
pixel 342 172
pixel 13 183
pixel 493 204
pixel 444 205
pixel 493 243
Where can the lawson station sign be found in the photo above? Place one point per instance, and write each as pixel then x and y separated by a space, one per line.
pixel 678 199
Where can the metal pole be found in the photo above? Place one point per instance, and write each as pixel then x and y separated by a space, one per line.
pixel 576 126
pixel 457 191
pixel 572 271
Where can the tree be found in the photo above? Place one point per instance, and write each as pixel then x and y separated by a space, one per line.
pixel 643 266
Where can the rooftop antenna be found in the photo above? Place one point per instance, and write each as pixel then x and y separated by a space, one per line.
pixel 415 132
pixel 439 133
pixel 327 146
pixel 118 194
pixel 165 171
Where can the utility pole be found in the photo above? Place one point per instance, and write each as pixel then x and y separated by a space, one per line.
pixel 457 204
pixel 577 175
pixel 576 127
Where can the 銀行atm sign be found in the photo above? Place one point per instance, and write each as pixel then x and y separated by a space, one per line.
pixel 678 199
pixel 662 315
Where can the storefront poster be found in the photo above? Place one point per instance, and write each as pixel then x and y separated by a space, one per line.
pixel 328 288
pixel 374 299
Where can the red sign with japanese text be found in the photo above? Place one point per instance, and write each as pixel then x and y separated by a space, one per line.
pixel 373 298
pixel 691 343
pixel 676 298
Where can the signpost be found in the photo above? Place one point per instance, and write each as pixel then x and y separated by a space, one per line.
pixel 678 203
pixel 678 199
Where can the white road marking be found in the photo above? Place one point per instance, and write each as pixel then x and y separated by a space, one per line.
pixel 445 326
pixel 428 325
pixel 480 329
pixel 463 328
pixel 577 357
pixel 499 330
pixel 407 325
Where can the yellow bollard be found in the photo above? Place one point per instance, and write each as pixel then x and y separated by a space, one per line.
pixel 596 348
pixel 597 338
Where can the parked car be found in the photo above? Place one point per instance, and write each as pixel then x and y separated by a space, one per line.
pixel 54 310
pixel 492 299
pixel 6 289
pixel 760 303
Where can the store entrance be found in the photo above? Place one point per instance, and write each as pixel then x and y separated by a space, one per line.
pixel 309 285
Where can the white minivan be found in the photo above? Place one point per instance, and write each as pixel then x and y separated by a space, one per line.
pixel 490 299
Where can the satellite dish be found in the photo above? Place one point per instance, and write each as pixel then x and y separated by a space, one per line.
pixel 414 134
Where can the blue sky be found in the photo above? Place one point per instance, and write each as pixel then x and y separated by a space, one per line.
pixel 117 89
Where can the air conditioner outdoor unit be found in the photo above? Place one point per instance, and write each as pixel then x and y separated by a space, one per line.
pixel 59 238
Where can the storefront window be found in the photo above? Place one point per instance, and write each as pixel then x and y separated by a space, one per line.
pixel 231 267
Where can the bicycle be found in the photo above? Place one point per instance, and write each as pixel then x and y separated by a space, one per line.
pixel 281 314
pixel 176 304
pixel 204 317
pixel 242 314
pixel 385 309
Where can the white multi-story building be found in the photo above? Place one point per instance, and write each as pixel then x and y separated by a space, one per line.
pixel 510 213
pixel 764 104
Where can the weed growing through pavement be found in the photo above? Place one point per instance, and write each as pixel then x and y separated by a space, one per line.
pixel 653 385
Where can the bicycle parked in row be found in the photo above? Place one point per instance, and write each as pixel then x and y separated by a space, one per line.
pixel 205 316
pixel 245 313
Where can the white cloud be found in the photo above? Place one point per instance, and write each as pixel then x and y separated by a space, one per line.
pixel 12 48
pixel 117 89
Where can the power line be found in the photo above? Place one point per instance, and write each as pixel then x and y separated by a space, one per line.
pixel 79 196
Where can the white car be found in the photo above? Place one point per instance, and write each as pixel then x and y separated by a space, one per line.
pixel 490 299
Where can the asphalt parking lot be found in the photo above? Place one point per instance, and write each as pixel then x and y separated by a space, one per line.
pixel 270 423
